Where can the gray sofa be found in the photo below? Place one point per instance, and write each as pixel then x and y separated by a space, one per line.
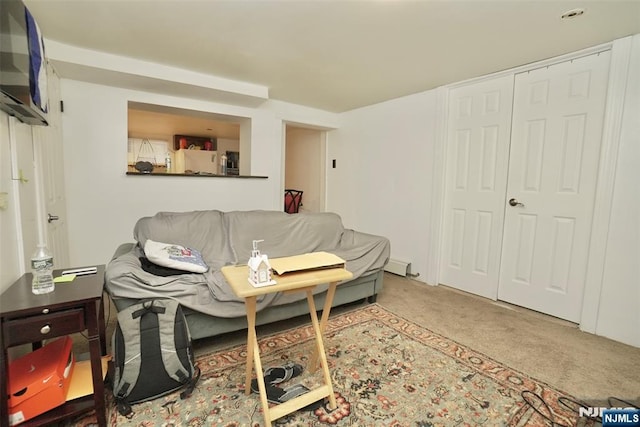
pixel 225 238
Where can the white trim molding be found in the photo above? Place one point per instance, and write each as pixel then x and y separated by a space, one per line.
pixel 16 180
pixel 618 75
pixel 437 190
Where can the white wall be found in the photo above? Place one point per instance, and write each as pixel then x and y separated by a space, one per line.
pixel 383 176
pixel 104 203
pixel 619 309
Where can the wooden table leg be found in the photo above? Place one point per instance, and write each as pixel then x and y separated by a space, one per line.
pixel 328 302
pixel 261 387
pixel 253 357
pixel 320 349
pixel 250 305
pixel 102 329
pixel 95 351
pixel 4 385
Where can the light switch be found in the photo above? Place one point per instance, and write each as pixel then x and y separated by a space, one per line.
pixel 4 200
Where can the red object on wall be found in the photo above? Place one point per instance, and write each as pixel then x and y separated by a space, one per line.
pixel 39 381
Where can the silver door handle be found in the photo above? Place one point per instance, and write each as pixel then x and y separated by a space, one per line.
pixel 51 218
pixel 514 202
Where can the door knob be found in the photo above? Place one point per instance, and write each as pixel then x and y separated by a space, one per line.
pixel 514 202
pixel 51 218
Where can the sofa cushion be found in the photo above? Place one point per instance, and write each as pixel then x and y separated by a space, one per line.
pixel 175 256
pixel 282 234
pixel 201 230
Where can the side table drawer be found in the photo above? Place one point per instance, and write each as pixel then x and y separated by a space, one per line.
pixel 37 328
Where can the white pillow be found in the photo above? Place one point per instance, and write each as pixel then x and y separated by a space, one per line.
pixel 175 256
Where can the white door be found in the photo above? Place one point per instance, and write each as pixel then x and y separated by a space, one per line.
pixel 555 149
pixel 476 171
pixel 48 140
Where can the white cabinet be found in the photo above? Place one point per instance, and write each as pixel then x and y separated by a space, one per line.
pixel 191 161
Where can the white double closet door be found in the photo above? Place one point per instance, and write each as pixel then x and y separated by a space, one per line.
pixel 522 163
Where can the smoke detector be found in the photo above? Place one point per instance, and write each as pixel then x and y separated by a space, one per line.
pixel 573 13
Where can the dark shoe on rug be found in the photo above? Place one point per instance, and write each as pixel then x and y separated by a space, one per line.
pixel 280 374
pixel 280 395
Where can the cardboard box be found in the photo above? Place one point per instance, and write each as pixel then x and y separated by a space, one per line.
pixel 82 379
pixel 306 262
pixel 38 381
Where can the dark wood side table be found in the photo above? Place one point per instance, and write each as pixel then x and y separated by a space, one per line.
pixel 27 318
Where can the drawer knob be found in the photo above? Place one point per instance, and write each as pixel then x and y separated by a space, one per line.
pixel 45 311
pixel 45 329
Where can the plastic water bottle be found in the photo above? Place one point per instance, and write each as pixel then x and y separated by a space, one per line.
pixel 223 164
pixel 167 162
pixel 42 269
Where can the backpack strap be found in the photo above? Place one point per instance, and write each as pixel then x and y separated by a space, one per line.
pixel 125 380
pixel 124 408
pixel 191 385
pixel 166 324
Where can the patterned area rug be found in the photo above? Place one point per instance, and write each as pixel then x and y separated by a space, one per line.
pixel 387 371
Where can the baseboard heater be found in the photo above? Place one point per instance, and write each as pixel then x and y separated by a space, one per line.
pixel 401 268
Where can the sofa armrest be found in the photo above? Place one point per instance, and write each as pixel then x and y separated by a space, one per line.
pixel 365 253
pixel 123 249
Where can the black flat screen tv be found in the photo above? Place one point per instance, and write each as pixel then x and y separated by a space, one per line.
pixel 23 75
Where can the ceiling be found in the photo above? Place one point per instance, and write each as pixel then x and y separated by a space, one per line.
pixel 331 54
pixel 159 122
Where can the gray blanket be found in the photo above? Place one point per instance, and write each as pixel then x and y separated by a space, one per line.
pixel 225 238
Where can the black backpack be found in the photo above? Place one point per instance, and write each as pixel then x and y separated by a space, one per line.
pixel 153 355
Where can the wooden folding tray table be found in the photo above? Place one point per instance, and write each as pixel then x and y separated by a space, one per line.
pixel 300 281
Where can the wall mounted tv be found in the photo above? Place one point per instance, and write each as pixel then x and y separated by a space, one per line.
pixel 23 76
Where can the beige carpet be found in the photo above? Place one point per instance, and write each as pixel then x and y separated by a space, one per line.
pixel 544 347
pixel 552 350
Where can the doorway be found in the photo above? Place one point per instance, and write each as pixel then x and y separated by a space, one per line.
pixel 522 161
pixel 304 165
pixel 49 156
